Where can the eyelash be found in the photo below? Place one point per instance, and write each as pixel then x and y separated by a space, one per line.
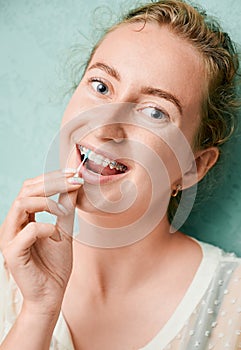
pixel 102 81
pixel 157 108
pixel 99 80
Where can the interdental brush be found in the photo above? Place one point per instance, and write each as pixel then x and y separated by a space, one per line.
pixel 82 163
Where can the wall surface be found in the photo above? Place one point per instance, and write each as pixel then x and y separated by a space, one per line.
pixel 35 41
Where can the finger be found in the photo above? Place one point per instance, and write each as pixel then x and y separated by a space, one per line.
pixel 23 210
pixel 51 176
pixel 20 246
pixel 58 184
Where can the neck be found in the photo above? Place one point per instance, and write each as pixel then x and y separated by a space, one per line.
pixel 105 271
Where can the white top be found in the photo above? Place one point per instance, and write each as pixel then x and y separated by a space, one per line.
pixel 208 317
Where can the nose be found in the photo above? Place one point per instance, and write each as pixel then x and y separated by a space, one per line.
pixel 108 132
pixel 112 125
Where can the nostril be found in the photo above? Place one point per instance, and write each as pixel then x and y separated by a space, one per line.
pixel 112 132
pixel 118 140
pixel 119 136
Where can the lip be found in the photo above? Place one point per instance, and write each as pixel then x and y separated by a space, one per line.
pixel 94 178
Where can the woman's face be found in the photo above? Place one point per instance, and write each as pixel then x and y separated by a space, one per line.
pixel 161 78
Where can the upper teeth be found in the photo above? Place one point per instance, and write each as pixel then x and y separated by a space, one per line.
pixel 100 160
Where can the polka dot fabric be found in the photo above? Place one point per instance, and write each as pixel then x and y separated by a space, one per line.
pixel 208 317
pixel 216 321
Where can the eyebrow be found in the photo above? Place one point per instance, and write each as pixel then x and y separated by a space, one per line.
pixel 163 94
pixel 109 70
pixel 146 90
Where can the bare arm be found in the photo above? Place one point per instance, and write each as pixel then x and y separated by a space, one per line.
pixel 30 331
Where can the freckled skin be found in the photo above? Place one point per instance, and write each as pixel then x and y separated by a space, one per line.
pixel 151 57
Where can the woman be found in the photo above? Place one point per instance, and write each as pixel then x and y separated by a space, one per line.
pixel 159 84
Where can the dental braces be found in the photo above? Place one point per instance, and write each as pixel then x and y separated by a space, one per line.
pixel 100 160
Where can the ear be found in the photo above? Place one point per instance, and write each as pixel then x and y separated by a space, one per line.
pixel 204 161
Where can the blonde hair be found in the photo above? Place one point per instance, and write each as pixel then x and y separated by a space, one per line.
pixel 220 58
pixel 220 100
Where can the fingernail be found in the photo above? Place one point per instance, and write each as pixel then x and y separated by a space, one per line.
pixel 76 180
pixel 63 209
pixel 69 171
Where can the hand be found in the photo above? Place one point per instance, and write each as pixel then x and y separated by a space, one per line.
pixel 39 255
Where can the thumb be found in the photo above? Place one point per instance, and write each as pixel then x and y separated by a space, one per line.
pixel 65 223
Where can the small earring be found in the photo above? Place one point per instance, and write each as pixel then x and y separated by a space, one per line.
pixel 175 192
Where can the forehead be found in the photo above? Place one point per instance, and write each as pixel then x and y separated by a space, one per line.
pixel 154 55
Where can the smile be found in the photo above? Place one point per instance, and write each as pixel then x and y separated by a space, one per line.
pixel 100 164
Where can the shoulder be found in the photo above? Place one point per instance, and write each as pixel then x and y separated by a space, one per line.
pixel 223 257
pixel 212 251
pixel 226 265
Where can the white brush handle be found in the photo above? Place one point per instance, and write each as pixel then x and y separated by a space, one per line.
pixel 81 164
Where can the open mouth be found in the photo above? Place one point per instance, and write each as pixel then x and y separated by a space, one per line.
pixel 100 164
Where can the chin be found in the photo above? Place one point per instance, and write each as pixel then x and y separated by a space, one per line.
pixel 100 212
pixel 83 204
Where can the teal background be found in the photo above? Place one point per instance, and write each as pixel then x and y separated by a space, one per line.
pixel 35 45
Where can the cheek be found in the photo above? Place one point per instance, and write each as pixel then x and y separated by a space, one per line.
pixel 176 150
pixel 78 103
pixel 163 157
pixel 171 164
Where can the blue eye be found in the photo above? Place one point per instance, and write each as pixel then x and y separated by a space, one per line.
pixel 154 113
pixel 100 87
